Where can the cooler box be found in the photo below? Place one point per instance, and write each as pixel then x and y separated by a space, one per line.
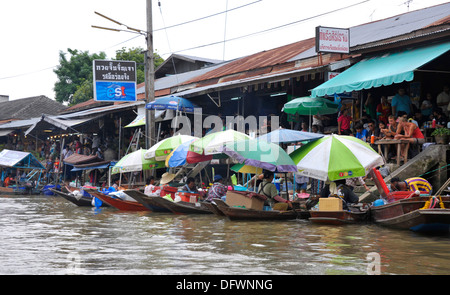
pixel 188 197
pixel 168 190
pixel 248 200
pixel 330 204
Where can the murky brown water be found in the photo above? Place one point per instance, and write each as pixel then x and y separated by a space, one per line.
pixel 48 235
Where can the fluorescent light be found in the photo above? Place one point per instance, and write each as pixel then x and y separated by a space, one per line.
pixel 236 98
pixel 278 94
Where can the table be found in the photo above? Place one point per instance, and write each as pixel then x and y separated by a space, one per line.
pixel 387 142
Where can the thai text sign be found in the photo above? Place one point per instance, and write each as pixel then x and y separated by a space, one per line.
pixel 332 40
pixel 114 80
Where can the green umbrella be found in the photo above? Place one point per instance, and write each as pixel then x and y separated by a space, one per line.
pixel 135 161
pixel 260 153
pixel 310 106
pixel 213 143
pixel 162 149
pixel 334 157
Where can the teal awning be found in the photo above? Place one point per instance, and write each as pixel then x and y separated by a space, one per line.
pixel 381 70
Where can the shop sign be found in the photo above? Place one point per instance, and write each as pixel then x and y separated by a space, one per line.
pixel 332 40
pixel 114 80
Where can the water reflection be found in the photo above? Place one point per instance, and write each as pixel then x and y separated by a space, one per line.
pixel 48 235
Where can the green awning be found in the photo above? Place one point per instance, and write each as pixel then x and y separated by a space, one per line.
pixel 381 70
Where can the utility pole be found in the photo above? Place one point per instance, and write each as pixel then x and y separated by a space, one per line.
pixel 149 80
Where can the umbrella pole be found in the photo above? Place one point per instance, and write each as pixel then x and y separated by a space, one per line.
pixel 287 190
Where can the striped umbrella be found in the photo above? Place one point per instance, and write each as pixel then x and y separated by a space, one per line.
pixel 336 157
pixel 213 143
pixel 162 149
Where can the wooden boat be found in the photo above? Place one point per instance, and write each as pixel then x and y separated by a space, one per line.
pixel 187 207
pixel 213 208
pixel 405 210
pixel 353 215
pixel 407 214
pixel 13 191
pixel 118 203
pixel 174 207
pixel 149 202
pixel 83 201
pixel 236 213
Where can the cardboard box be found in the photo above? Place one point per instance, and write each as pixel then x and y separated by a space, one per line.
pixel 330 204
pixel 248 201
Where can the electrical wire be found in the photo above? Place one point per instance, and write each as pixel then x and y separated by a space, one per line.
pixel 271 29
pixel 205 17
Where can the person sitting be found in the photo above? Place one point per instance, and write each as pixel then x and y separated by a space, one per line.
pixel 392 127
pixel 412 184
pixel 150 185
pixel 217 190
pixel 361 132
pixel 344 192
pixel 8 180
pixel 412 134
pixel 268 189
pixel 190 186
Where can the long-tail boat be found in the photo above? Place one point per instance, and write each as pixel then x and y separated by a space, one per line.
pixel 123 205
pixel 237 213
pixel 407 210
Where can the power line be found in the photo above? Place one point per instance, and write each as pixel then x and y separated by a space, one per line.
pixel 271 29
pixel 208 16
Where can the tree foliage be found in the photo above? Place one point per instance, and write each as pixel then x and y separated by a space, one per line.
pixel 75 76
pixel 72 72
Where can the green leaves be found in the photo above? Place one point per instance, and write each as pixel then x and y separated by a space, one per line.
pixel 75 77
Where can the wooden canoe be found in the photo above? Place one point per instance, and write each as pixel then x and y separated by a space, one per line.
pixel 214 209
pixel 83 201
pixel 406 214
pixel 118 203
pixel 187 207
pixel 169 206
pixel 235 213
pixel 149 202
pixel 339 217
pixel 13 191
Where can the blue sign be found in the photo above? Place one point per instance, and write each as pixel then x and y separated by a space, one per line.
pixel 115 91
pixel 114 80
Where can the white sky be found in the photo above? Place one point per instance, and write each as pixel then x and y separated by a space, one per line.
pixel 33 32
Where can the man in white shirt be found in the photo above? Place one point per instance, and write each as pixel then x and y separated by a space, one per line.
pixel 443 99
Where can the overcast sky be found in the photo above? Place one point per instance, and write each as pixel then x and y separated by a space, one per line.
pixel 34 32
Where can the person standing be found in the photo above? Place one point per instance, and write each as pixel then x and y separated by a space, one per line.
pixel 443 99
pixel 383 110
pixel 344 123
pixel 402 102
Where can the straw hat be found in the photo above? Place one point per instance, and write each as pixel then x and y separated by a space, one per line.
pixel 166 178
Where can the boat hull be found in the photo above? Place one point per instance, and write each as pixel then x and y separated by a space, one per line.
pixel 81 202
pixel 406 214
pixel 120 204
pixel 338 217
pixel 234 213
pixel 149 202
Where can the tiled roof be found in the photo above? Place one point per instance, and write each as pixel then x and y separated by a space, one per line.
pixel 29 107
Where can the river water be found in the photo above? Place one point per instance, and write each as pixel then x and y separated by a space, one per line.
pixel 49 235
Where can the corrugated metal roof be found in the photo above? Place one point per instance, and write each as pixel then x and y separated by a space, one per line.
pixel 399 24
pixel 260 60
